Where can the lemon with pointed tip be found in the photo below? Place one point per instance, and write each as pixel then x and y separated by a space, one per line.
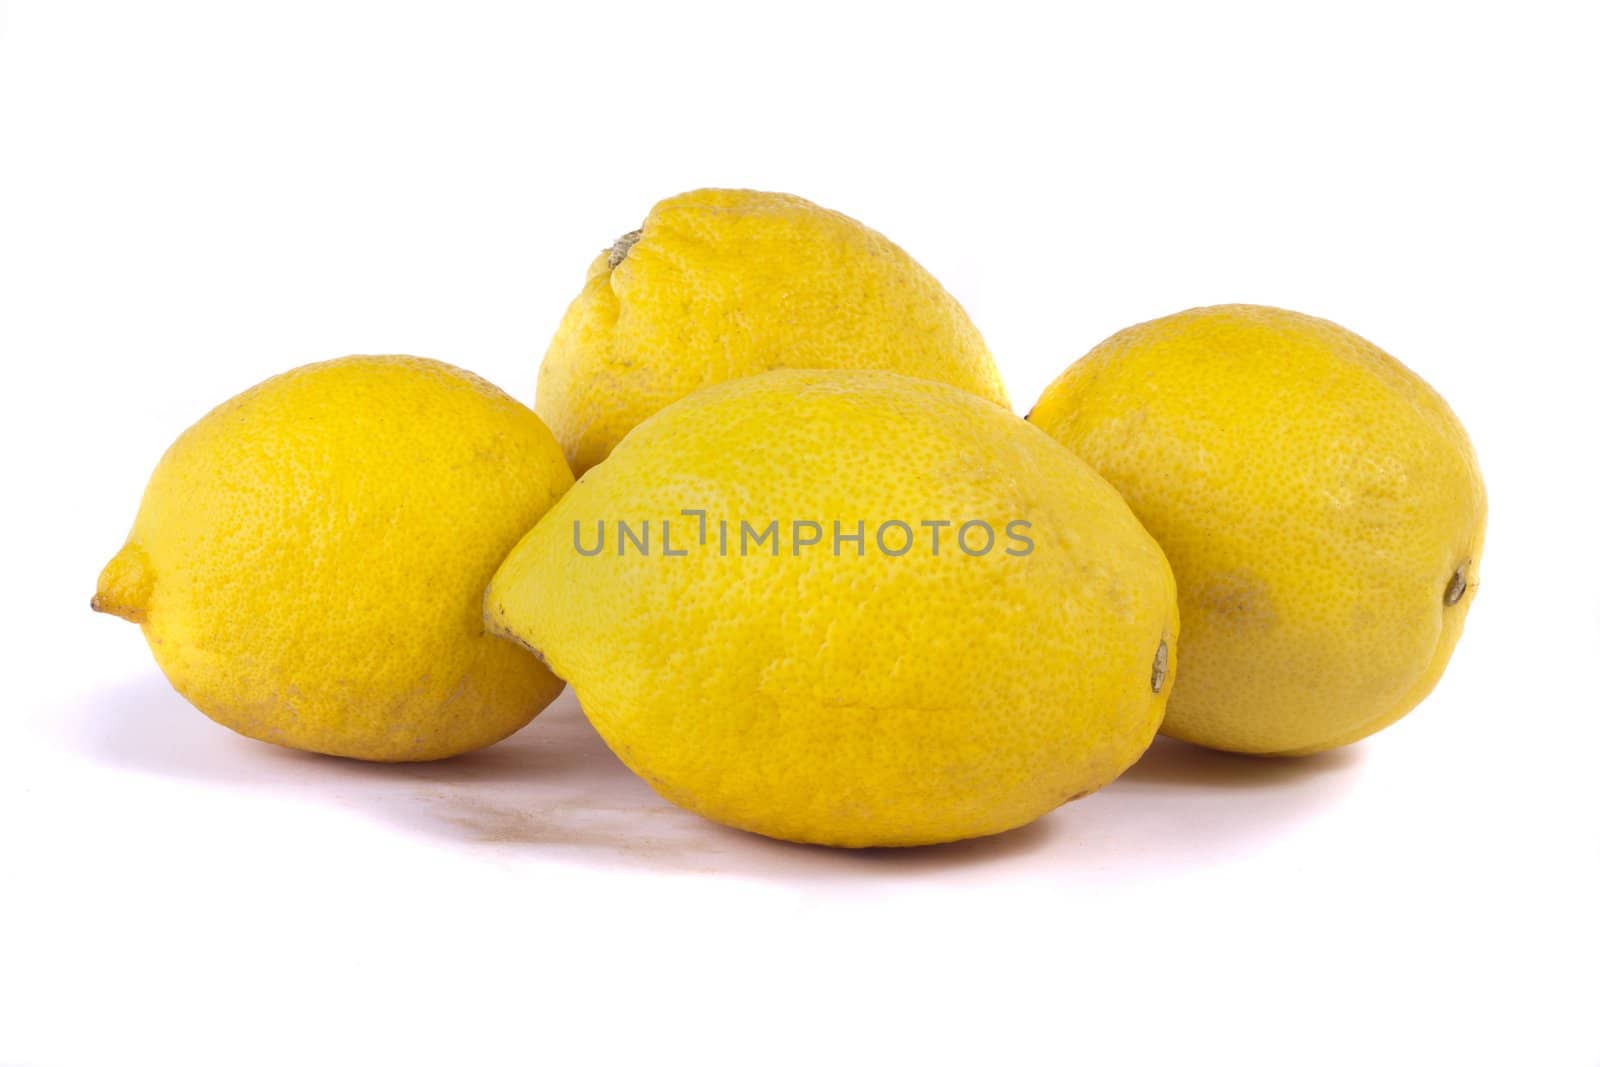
pixel 722 283
pixel 1321 506
pixel 851 608
pixel 309 559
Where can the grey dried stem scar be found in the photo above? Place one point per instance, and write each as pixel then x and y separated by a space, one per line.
pixel 1458 585
pixel 1158 670
pixel 619 249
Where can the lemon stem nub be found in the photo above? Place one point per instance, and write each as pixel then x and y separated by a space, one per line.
pixel 1158 670
pixel 619 250
pixel 124 586
pixel 1458 585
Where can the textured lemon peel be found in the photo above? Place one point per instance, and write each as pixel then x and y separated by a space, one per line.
pixel 702 305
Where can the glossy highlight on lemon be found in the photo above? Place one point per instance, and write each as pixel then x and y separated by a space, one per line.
pixel 846 693
pixel 722 283
pixel 309 559
pixel 1321 506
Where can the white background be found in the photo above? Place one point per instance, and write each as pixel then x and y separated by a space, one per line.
pixel 195 196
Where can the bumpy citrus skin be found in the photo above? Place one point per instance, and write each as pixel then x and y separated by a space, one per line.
pixel 722 283
pixel 852 700
pixel 1317 501
pixel 309 559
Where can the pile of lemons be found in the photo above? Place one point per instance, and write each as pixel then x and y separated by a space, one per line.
pixel 815 579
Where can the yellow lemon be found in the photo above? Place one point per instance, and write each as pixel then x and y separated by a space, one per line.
pixel 1320 504
pixel 851 608
pixel 309 559
pixel 722 283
